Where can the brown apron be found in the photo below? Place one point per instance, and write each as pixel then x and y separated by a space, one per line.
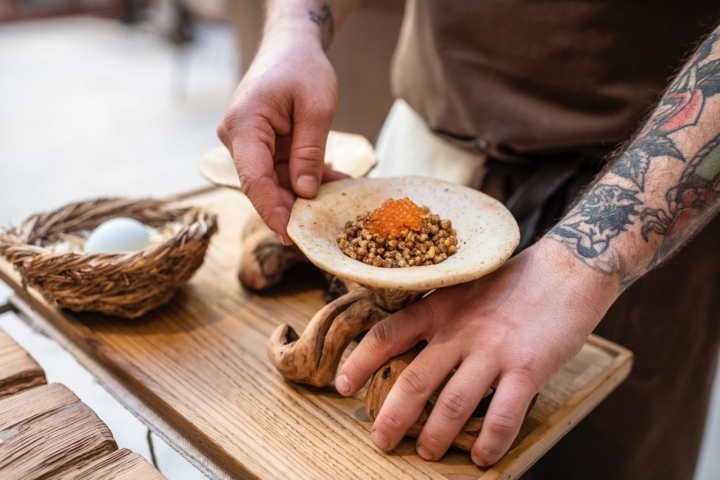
pixel 547 88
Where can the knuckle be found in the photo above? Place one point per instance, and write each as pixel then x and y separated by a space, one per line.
pixel 248 184
pixel 413 382
pixel 221 132
pixel 320 107
pixel 391 420
pixel 454 406
pixel 433 440
pixel 501 424
pixel 381 336
pixel 358 364
pixel 489 454
pixel 531 370
pixel 233 117
pixel 312 154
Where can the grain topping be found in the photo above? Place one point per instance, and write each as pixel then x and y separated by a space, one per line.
pixel 398 234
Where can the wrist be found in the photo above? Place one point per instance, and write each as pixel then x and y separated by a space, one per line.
pixel 301 40
pixel 299 23
pixel 592 290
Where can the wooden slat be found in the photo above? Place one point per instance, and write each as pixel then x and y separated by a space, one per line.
pixel 119 465
pixel 22 408
pixel 18 370
pixel 201 364
pixel 44 445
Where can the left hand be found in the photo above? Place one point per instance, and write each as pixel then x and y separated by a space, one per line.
pixel 513 330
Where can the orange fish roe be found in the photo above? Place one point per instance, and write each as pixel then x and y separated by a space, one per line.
pixel 393 216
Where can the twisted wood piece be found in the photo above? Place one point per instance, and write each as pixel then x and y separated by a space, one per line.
pixel 313 358
pixel 265 260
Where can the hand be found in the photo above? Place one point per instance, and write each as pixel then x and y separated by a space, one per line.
pixel 513 330
pixel 277 125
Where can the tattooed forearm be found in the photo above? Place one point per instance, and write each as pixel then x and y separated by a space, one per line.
pixel 652 199
pixel 324 19
pixel 600 216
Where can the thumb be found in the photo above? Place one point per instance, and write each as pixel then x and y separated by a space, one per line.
pixel 307 155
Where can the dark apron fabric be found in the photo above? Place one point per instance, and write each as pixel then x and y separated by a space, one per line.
pixel 547 88
pixel 518 77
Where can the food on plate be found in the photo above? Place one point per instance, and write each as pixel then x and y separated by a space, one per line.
pixel 399 234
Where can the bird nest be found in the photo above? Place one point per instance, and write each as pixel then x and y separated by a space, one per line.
pixel 47 250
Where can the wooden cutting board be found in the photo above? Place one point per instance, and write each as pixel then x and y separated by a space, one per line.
pixel 201 364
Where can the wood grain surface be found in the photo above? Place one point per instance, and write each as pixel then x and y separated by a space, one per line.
pixel 18 370
pixel 201 364
pixel 49 434
pixel 119 465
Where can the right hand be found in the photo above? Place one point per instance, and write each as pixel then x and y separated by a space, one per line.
pixel 277 125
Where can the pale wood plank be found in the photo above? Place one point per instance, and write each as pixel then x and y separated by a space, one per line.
pixel 29 405
pixel 50 444
pixel 201 364
pixel 18 370
pixel 119 465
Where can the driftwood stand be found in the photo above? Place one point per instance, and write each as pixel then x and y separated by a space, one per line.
pixel 313 357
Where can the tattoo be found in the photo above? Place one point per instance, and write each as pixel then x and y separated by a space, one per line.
pixel 600 216
pixel 326 22
pixel 608 210
pixel 687 201
pixel 680 107
pixel 635 162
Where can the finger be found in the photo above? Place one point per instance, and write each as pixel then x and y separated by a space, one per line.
pixel 395 335
pixel 282 170
pixel 456 403
pixel 413 388
pixel 224 137
pixel 253 149
pixel 307 152
pixel 288 198
pixel 504 417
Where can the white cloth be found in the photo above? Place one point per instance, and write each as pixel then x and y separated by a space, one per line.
pixel 407 146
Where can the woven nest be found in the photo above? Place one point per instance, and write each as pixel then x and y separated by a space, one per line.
pixel 125 285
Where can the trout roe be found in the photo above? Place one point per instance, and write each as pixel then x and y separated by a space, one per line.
pixel 395 215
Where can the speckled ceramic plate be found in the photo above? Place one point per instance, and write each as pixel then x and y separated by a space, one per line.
pixel 345 152
pixel 487 233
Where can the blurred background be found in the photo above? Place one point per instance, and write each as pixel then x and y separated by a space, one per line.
pixel 122 97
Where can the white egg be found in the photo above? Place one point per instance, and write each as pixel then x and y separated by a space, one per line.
pixel 118 235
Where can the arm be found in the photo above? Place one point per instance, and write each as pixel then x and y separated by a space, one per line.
pixel 277 123
pixel 314 20
pixel 515 328
pixel 661 190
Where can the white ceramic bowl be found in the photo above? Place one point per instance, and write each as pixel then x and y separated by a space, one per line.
pixel 486 231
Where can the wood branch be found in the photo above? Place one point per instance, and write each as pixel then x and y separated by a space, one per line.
pixel 393 299
pixel 313 358
pixel 264 259
pixel 337 287
pixel 386 376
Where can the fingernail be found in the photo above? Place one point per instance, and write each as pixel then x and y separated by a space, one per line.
pixel 308 183
pixel 424 453
pixel 379 440
pixel 342 384
pixel 282 239
pixel 477 460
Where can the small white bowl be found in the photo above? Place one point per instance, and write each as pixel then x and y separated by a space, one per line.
pixel 487 233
